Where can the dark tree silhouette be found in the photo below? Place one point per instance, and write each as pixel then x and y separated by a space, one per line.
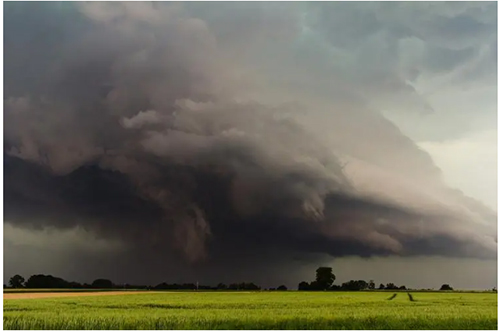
pixel 324 281
pixel 222 286
pixel 355 285
pixel 391 286
pixel 102 283
pixel 46 281
pixel 244 286
pixel 315 286
pixel 249 286
pixel 162 286
pixel 187 286
pixel 335 288
pixel 446 287
pixel 304 286
pixel 324 278
pixel 75 285
pixel 16 281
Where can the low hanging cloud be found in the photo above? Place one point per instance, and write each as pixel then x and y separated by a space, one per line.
pixel 148 129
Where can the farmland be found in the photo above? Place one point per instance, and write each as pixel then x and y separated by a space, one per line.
pixel 256 310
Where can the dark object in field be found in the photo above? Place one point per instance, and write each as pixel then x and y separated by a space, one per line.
pixel 446 287
pixel 16 282
pixel 410 297
pixel 46 281
pixel 324 281
pixel 102 283
pixel 355 285
pixel 392 296
pixel 324 278
pixel 391 286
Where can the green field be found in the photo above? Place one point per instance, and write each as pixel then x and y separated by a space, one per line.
pixel 57 290
pixel 256 310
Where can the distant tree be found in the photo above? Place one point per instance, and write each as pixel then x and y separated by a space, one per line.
pixel 222 286
pixel 324 278
pixel 249 287
pixel 16 281
pixel 494 289
pixel 188 286
pixel 304 286
pixel 381 286
pixel 335 288
pixel 446 287
pixel 282 288
pixel 75 285
pixel 371 285
pixel 362 285
pixel 391 286
pixel 402 287
pixel 46 281
pixel 355 285
pixel 161 286
pixel 4 286
pixel 244 286
pixel 315 286
pixel 102 283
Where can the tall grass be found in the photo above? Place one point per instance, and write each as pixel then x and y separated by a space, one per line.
pixel 392 296
pixel 69 290
pixel 255 310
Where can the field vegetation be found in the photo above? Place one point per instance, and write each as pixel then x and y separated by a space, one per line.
pixel 257 310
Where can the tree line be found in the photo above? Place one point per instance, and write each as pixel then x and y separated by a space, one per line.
pixel 325 279
pixel 49 281
pixel 323 282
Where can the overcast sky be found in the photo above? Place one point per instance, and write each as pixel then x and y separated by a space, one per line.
pixel 222 141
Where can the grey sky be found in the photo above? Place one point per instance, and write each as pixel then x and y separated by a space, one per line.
pixel 291 129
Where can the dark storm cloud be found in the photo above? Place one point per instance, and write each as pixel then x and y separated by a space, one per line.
pixel 135 123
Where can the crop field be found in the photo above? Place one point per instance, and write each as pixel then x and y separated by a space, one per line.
pixel 256 310
pixel 66 290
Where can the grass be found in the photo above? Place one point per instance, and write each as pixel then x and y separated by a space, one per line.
pixel 67 290
pixel 256 310
pixel 392 296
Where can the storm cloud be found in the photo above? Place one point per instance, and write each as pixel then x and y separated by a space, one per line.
pixel 220 138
